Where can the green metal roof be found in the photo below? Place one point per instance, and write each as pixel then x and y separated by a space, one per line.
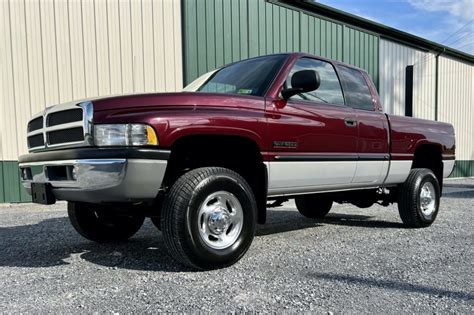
pixel 383 31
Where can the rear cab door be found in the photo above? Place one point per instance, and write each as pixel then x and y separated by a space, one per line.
pixel 372 127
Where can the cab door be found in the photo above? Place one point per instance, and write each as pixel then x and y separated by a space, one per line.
pixel 313 138
pixel 372 128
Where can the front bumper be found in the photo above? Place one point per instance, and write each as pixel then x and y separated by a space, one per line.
pixel 97 175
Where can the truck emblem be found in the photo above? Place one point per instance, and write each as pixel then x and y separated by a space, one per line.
pixel 285 144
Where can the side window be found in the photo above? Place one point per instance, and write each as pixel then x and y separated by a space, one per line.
pixel 330 89
pixel 356 89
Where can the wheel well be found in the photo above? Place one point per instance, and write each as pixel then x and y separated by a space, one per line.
pixel 239 154
pixel 429 156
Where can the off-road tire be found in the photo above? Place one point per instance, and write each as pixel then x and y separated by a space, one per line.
pixel 313 206
pixel 179 217
pixel 102 225
pixel 409 198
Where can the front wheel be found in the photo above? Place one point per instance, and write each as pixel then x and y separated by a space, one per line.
pixel 418 198
pixel 208 218
pixel 98 224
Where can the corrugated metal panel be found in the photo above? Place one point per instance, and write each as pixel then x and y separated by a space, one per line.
pixel 463 169
pixel 2 192
pixel 11 181
pixel 11 189
pixel 455 92
pixel 456 103
pixel 362 50
pixel 58 51
pixel 394 58
pixel 257 27
pixel 8 122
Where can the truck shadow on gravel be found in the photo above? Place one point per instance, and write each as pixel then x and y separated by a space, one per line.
pixel 53 242
pixel 393 285
pixel 459 194
pixel 281 221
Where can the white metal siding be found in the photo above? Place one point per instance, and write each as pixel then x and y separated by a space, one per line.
pixel 54 51
pixel 394 58
pixel 455 90
pixel 456 103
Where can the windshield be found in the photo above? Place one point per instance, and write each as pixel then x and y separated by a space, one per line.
pixel 248 77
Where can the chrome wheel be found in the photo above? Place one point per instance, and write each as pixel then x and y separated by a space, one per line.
pixel 220 220
pixel 427 199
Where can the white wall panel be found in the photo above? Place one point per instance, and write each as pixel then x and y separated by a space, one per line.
pixel 76 38
pixel 54 51
pixel 7 99
pixel 456 103
pixel 114 51
pixel 455 90
pixel 90 47
pixel 47 26
pixel 21 80
pixel 102 42
pixel 159 50
pixel 394 58
pixel 63 51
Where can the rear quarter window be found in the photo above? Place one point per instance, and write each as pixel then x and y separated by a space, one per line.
pixel 356 90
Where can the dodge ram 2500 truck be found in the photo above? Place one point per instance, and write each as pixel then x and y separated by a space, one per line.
pixel 206 163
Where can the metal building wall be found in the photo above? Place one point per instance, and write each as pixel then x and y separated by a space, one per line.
pixel 455 95
pixel 54 51
pixel 394 58
pixel 456 106
pixel 218 32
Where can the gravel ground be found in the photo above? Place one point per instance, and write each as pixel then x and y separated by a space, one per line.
pixel 355 260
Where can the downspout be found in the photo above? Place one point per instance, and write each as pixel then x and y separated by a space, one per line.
pixel 437 82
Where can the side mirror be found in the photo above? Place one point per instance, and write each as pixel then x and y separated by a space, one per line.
pixel 302 81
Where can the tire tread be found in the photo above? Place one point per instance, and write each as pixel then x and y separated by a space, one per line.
pixel 407 198
pixel 175 208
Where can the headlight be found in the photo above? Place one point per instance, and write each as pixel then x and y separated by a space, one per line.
pixel 124 135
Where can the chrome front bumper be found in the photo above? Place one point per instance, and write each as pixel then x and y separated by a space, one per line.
pixel 97 180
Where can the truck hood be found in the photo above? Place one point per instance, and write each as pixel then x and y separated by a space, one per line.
pixel 185 100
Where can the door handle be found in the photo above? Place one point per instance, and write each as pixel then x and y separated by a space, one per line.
pixel 350 122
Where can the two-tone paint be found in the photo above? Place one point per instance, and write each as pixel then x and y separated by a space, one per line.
pixel 306 146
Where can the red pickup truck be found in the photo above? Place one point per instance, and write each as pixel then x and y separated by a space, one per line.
pixel 206 163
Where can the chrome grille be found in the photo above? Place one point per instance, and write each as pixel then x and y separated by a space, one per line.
pixel 36 141
pixel 65 125
pixel 35 124
pixel 65 136
pixel 64 117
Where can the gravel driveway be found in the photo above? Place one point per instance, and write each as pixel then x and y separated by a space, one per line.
pixel 355 260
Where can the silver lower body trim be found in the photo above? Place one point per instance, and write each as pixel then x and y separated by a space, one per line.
pixel 100 180
pixel 295 178
pixel 398 172
pixel 448 167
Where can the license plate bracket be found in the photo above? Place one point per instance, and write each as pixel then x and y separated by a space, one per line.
pixel 42 193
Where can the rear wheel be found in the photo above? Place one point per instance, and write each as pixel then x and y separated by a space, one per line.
pixel 418 198
pixel 313 206
pixel 98 224
pixel 209 218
